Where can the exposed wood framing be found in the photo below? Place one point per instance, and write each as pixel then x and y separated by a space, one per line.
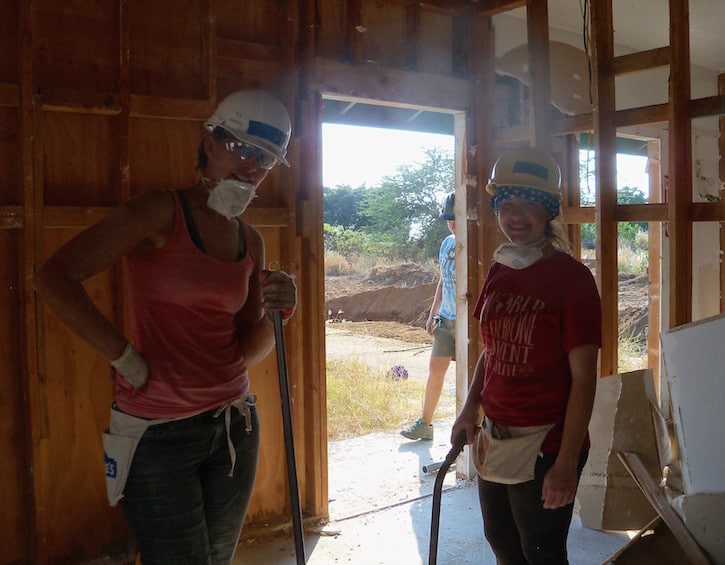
pixel 396 87
pixel 605 146
pixel 481 229
pixel 680 163
pixel 311 255
pixel 654 260
pixel 632 62
pixel 122 192
pixel 493 7
pixel 139 85
pixel 540 109
pixel 34 513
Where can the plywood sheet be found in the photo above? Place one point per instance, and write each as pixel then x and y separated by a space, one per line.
pixel 14 475
pixel 10 161
pixel 9 62
pixel 256 21
pixel 331 33
pixel 168 48
pixel 76 45
pixel 80 159
pixel 382 33
pixel 435 52
pixel 75 397
pixel 162 153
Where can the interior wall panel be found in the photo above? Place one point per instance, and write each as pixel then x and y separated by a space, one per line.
pixel 162 153
pixel 382 33
pixel 10 160
pixel 235 74
pixel 435 44
pixel 331 29
pixel 9 42
pixel 80 159
pixel 75 397
pixel 270 497
pixel 251 20
pixel 76 45
pixel 168 48
pixel 14 464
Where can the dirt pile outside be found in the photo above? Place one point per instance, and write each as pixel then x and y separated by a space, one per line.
pixel 394 301
pixel 397 293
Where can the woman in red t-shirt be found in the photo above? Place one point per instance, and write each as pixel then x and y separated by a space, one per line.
pixel 540 316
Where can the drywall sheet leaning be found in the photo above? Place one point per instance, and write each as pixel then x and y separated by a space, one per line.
pixel 608 497
pixel 694 361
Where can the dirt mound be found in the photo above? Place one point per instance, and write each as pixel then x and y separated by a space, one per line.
pixel 393 293
pixel 405 274
pixel 391 299
pixel 405 305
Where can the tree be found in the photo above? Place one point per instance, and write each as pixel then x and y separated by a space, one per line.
pixel 403 209
pixel 342 206
pixel 626 230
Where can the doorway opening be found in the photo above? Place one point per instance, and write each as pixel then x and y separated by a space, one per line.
pixel 384 184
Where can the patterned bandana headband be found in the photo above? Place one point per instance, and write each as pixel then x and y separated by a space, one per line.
pixel 549 201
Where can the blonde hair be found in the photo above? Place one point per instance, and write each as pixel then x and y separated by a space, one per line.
pixel 554 232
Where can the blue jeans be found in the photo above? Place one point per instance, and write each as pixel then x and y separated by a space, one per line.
pixel 518 528
pixel 180 503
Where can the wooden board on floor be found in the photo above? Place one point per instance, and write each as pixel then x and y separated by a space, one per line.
pixel 692 551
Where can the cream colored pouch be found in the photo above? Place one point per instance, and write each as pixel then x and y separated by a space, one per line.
pixel 119 444
pixel 507 454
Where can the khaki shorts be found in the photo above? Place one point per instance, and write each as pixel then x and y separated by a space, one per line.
pixel 444 340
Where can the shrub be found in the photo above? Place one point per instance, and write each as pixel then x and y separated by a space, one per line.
pixel 336 265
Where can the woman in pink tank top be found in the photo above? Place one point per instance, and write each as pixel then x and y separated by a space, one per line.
pixel 182 445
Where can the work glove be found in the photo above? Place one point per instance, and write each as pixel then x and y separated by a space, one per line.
pixel 132 366
pixel 279 293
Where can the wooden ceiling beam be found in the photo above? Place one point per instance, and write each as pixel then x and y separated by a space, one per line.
pixel 376 84
pixel 493 7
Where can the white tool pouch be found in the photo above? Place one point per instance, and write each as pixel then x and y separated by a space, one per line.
pixel 119 445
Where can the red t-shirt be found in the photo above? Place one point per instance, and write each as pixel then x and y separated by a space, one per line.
pixel 530 320
pixel 183 307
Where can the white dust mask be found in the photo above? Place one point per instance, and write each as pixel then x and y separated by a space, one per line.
pixel 230 197
pixel 519 256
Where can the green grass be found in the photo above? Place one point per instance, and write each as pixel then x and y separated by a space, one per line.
pixel 631 352
pixel 361 400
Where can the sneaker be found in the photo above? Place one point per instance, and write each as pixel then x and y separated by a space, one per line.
pixel 419 430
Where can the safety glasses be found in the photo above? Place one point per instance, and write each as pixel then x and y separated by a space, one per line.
pixel 244 151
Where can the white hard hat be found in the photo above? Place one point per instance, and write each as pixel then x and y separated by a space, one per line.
pixel 256 117
pixel 526 173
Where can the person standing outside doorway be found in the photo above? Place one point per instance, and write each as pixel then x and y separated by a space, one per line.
pixel 441 325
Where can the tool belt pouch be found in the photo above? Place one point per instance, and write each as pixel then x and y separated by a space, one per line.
pixel 507 454
pixel 119 444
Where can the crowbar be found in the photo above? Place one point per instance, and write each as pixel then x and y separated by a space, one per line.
pixel 288 439
pixel 438 491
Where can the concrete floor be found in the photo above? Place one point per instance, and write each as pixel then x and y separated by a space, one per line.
pixel 380 512
pixel 380 500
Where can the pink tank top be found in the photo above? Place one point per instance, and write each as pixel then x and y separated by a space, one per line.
pixel 183 306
